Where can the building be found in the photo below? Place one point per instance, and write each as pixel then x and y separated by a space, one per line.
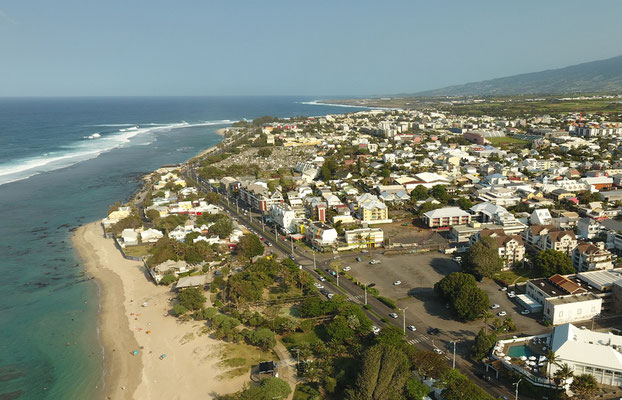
pixel 541 217
pixel 511 247
pixel 320 235
pixel 588 228
pixel 596 183
pixel 257 195
pixel 564 241
pixel 588 352
pixel 283 215
pixel 448 216
pixel 588 257
pixel 364 238
pixel 563 299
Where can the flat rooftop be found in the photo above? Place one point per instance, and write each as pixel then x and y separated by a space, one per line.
pixel 575 298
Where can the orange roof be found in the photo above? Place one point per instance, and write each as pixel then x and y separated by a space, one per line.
pixel 566 284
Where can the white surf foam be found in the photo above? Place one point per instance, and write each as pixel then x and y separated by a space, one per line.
pixel 85 150
pixel 318 103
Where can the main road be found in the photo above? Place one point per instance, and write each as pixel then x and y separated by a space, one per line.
pixel 350 290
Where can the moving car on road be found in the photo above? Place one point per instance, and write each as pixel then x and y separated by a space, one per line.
pixel 411 328
pixel 438 351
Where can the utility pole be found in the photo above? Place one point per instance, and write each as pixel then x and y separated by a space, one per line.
pixel 262 227
pixel 404 315
pixel 291 239
pixel 314 266
pixel 454 362
pixel 365 294
pixel 337 266
pixel 516 392
pixel 237 207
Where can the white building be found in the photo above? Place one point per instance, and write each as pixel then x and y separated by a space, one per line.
pixel 587 352
pixel 150 235
pixel 320 234
pixel 541 217
pixel 447 216
pixel 588 257
pixel 283 215
pixel 130 237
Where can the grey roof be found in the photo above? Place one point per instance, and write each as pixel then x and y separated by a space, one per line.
pixel 190 281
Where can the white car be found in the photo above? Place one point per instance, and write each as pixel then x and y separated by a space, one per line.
pixel 346 269
pixel 375 329
pixel 502 313
pixel 393 315
pixel 438 351
pixel 330 295
pixel 411 328
pixel 511 295
pixel 396 283
pixel 322 279
pixel 503 289
pixel 374 262
pixel 525 312
pixel 494 306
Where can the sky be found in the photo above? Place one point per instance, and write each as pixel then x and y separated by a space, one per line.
pixel 313 48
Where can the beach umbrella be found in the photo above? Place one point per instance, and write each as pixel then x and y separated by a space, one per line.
pixel 507 358
pixel 532 358
pixel 501 354
pixel 524 358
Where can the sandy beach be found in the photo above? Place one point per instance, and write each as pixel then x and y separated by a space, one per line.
pixel 191 367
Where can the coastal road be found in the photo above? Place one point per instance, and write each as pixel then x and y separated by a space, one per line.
pixel 352 292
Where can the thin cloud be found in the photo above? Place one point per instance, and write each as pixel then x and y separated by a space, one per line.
pixel 5 17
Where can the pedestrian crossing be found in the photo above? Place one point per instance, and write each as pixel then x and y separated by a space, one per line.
pixel 418 339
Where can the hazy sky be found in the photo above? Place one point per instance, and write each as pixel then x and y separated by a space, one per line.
pixel 228 47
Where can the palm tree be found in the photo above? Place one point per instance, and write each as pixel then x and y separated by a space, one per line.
pixel 551 359
pixel 562 375
pixel 485 317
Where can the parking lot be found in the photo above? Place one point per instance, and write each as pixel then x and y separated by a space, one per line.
pixel 418 274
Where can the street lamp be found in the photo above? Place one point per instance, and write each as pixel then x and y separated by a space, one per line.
pixel 516 392
pixel 366 294
pixel 403 310
pixel 454 361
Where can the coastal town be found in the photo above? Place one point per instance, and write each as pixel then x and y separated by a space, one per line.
pixel 388 253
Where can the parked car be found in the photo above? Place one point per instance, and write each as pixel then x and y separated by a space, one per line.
pixel 525 312
pixel 503 289
pixel 495 306
pixel 397 283
pixel 374 262
pixel 433 331
pixel 346 269
pixel 371 284
pixel 411 328
pixel 322 279
pixel 393 315
pixel 438 351
pixel 375 329
pixel 330 295
pixel 292 258
pixel 358 259
pixel 502 313
pixel 364 251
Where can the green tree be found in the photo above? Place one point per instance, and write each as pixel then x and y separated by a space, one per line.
pixel 223 228
pixel 464 203
pixel 326 173
pixel 339 330
pixel 178 309
pixel 462 293
pixel 483 343
pixel 168 279
pixel 419 193
pixel 439 192
pixel 263 338
pixel 561 376
pixel 130 222
pixel 383 375
pixel 415 389
pixel 153 215
pixel 391 336
pixel 428 364
pixel 551 359
pixel 482 258
pixel 584 386
pixel 270 389
pixel 459 387
pixel 264 153
pixel 550 262
pixel 250 246
pixel 192 298
pixel 212 198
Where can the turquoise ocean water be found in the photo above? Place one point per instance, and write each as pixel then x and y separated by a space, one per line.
pixel 63 161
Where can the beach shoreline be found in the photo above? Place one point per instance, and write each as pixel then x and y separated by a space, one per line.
pixel 135 315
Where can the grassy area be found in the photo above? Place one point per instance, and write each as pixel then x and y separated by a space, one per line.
pixel 516 275
pixel 496 141
pixel 307 391
pixel 138 250
pixel 237 359
pixel 296 338
pixel 276 292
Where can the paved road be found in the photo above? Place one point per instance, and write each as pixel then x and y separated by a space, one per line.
pixel 420 338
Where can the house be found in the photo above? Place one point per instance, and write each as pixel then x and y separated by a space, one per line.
pixel 511 247
pixel 191 281
pixel 257 195
pixel 541 217
pixel 150 235
pixel 588 352
pixel 116 216
pixel 564 241
pixel 447 216
pixel 597 183
pixel 320 235
pixel 588 257
pixel 169 267
pixel 364 238
pixel 130 237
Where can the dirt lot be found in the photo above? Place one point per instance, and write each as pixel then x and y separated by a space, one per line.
pixel 418 274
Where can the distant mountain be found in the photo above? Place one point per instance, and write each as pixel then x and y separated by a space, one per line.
pixel 589 77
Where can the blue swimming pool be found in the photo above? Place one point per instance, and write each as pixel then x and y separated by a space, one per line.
pixel 519 351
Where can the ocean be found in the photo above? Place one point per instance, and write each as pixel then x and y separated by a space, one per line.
pixel 63 161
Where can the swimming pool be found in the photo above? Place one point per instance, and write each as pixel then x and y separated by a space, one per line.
pixel 520 351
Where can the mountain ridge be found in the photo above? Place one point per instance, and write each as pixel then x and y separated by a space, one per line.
pixel 589 77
